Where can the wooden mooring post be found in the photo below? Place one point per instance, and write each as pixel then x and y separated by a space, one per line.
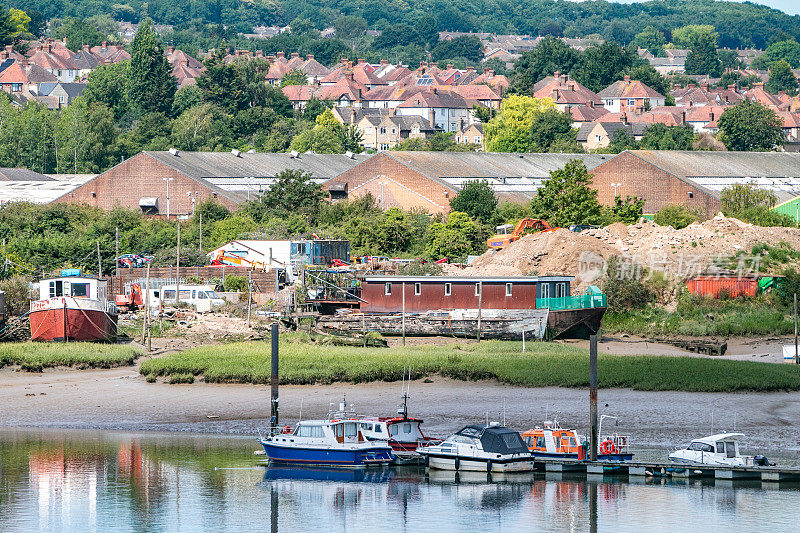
pixel 593 397
pixel 273 376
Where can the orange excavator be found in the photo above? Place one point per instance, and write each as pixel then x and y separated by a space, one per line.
pixel 505 236
pixel 131 301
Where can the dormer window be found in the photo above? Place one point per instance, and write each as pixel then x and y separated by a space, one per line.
pixel 16 87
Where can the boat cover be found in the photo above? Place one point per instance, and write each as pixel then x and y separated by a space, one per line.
pixel 497 439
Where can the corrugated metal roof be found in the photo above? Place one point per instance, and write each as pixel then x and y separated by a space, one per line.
pixel 200 165
pixel 465 279
pixel 21 174
pixel 37 192
pixel 776 171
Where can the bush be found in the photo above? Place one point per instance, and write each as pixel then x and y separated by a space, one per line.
pixel 788 286
pixel 17 291
pixel 179 378
pixel 624 285
pixel 235 284
pixel 418 268
pixel 677 216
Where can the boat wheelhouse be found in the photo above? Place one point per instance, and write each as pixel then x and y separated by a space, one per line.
pixel 721 449
pixel 336 442
pixel 73 307
pixel 477 448
pixel 552 440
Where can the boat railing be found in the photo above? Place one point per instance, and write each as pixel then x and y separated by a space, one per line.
pixel 583 301
pixel 621 442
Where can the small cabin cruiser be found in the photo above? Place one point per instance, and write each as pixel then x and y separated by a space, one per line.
pixel 336 442
pixel 721 449
pixel 552 440
pixel 492 448
pixel 402 433
pixel 73 307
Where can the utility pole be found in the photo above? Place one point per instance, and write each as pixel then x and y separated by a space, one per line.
pixel 480 307
pixel 593 396
pixel 116 251
pixel 249 295
pixel 201 232
pixel 404 313
pixel 796 354
pixel 178 266
pixel 99 262
pixel 167 180
pixel 147 310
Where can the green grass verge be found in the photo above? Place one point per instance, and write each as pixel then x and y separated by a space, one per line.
pixel 36 356
pixel 544 364
pixel 700 317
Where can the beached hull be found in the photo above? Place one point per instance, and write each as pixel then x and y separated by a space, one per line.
pixel 69 319
pixel 361 456
pixel 477 464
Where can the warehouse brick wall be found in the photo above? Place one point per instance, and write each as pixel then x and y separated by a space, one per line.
pixel 138 177
pixel 396 184
pixel 656 187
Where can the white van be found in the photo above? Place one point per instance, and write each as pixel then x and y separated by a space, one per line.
pixel 201 297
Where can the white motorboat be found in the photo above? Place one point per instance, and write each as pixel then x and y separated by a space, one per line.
pixel 721 449
pixel 477 448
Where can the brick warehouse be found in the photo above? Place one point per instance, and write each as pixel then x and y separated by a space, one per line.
pixel 694 179
pixel 230 178
pixel 429 180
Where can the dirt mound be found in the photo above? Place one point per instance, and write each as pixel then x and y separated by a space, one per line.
pixel 678 253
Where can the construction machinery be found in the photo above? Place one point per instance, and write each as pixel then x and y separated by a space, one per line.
pixel 506 236
pixel 130 302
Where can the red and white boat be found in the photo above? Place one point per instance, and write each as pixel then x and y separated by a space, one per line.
pixel 73 308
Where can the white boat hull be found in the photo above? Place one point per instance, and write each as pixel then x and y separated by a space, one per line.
pixel 474 464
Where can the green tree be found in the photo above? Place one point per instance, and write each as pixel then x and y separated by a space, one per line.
pixel 349 26
pixel 294 77
pixel 788 51
pixel 393 233
pixel 398 35
pixel 702 58
pixel 781 78
pixel 292 193
pixel 622 140
pixel 651 39
pixel 303 26
pixel 454 239
pixel 149 85
pixel 686 36
pixel 628 209
pixel 567 197
pixel 77 32
pixel 549 56
pixel 601 65
pixel 662 137
pixel 20 21
pixel 511 129
pixel 468 47
pixel 552 131
pixel 677 216
pixel 477 200
pixel 750 126
pixel 106 85
pixel 741 196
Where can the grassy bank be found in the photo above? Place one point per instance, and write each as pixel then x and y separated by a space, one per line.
pixel 36 356
pixel 700 317
pixel 544 364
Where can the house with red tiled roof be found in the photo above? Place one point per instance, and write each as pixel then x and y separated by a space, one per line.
pixel 444 109
pixel 23 80
pixel 482 94
pixel 629 95
pixel 583 114
pixel 110 53
pixel 344 93
pixel 50 57
pixel 758 94
pixel 357 72
pixel 700 117
pixel 565 92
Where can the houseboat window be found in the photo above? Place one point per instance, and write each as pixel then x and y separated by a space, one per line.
pixel 212 294
pixel 387 288
pixel 194 295
pixel 169 294
pixel 477 289
pixel 508 289
pixel 417 289
pixel 545 290
pixel 447 289
pixel 367 427
pixel 378 428
pixel 561 290
pixel 80 289
pixel 202 295
pixel 350 430
pixel 185 294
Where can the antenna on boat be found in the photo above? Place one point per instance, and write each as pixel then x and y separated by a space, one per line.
pixel 504 412
pixel 301 410
pixel 487 418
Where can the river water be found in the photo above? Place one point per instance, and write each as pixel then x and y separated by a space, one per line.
pixel 62 480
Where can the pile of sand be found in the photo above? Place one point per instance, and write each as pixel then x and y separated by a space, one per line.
pixel 679 253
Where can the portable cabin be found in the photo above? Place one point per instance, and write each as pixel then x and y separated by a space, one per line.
pixel 384 294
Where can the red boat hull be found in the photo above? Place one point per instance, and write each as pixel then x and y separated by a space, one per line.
pixel 73 325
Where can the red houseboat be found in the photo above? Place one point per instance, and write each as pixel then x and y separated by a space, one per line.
pixel 73 308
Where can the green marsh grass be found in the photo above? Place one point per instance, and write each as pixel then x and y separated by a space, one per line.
pixel 36 356
pixel 543 364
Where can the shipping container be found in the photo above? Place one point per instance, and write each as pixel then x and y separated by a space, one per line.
pixel 730 286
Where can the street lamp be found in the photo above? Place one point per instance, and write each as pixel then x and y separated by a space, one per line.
pixel 167 180
pixel 194 197
pixel 616 186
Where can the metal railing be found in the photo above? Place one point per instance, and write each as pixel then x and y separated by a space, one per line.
pixel 584 301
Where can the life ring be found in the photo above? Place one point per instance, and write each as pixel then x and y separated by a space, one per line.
pixel 607 447
pixel 286 430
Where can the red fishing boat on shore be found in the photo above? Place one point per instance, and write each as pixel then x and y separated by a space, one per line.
pixel 73 308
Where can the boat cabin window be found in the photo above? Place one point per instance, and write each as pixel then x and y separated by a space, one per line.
pixel 309 431
pixel 185 294
pixel 350 430
pixel 387 289
pixel 393 430
pixel 417 289
pixel 540 442
pixel 477 289
pixel 720 447
pixel 406 428
pixel 367 427
pixel 508 289
pixel 194 294
pixel 202 295
pixel 701 447
pixel 378 428
pixel 81 290
pixel 56 288
pixel 169 294
pixel 448 289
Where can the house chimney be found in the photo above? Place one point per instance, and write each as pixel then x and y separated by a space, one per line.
pixel 271 59
pixel 627 79
pixel 491 74
pixel 711 116
pixel 683 118
pixel 554 96
pixel 590 103
pixel 384 62
pixel 486 70
pixel 449 66
pixel 85 47
pixel 170 49
pixel 624 118
pixel 732 87
pixel 392 111
pixel 309 57
pixel 470 69
pixel 704 86
pixel 352 115
pixel 105 44
pixel 294 54
pixel 361 61
pixel 259 53
pixel 557 74
pixel 432 118
pixel 280 55
pixel 691 86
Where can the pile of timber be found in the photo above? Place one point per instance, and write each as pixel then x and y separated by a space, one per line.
pixel 16 330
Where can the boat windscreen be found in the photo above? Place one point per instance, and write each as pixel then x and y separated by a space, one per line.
pixel 503 441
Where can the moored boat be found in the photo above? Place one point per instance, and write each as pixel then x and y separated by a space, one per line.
pixel 551 440
pixel 721 449
pixel 73 308
pixel 478 448
pixel 335 442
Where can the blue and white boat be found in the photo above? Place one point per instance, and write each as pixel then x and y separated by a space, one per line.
pixel 335 442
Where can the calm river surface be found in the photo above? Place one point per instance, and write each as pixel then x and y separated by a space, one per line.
pixel 57 480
